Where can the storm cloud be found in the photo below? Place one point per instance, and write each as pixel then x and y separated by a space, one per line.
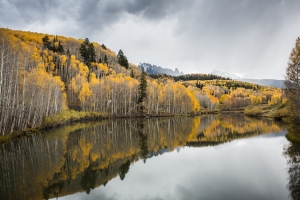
pixel 251 38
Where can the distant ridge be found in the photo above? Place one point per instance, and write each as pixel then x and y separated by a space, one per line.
pixel 264 82
pixel 153 69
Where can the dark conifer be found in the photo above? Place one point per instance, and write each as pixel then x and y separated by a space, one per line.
pixel 84 51
pixel 46 42
pixel 105 59
pixel 103 46
pixel 92 53
pixel 122 59
pixel 142 90
pixel 132 74
pixel 60 48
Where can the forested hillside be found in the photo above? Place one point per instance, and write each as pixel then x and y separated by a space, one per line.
pixel 222 93
pixel 42 76
pixel 47 80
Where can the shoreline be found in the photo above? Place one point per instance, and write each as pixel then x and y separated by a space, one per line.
pixel 87 117
pixel 72 116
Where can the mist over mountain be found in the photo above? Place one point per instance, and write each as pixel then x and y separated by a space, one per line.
pixel 153 69
pixel 226 75
pixel 264 82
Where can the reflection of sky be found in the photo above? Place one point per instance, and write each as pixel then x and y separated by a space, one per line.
pixel 242 169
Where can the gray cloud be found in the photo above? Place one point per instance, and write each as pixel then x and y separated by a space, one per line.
pixel 155 9
pixel 18 12
pixel 250 37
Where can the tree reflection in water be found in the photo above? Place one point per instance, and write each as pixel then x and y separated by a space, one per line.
pixel 124 169
pixel 81 157
pixel 88 181
pixel 292 153
pixel 143 141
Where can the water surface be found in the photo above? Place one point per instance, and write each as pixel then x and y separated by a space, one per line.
pixel 209 157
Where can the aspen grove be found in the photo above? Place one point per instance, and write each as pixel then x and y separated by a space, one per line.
pixel 41 76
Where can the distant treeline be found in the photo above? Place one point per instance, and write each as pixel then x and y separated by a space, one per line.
pixel 190 77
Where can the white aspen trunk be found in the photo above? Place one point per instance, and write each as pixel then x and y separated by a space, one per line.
pixel 174 103
pixel 129 99
pixel 14 113
pixel 55 98
pixel 169 103
pixel 1 70
pixel 112 103
pixel 30 109
pixel 153 97
pixel 49 96
pixel 23 90
pixel 157 104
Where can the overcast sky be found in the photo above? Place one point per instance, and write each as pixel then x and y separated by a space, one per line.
pixel 249 38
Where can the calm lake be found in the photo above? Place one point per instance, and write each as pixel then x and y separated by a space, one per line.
pixel 207 157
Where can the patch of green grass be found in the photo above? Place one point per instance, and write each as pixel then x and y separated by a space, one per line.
pixel 70 116
pixel 292 137
pixel 278 106
pixel 277 111
pixel 281 112
pixel 254 111
pixel 4 139
pixel 264 106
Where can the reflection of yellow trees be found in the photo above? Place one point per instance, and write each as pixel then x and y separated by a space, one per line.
pixel 249 125
pixel 226 128
pixel 98 151
pixel 212 129
pixel 170 133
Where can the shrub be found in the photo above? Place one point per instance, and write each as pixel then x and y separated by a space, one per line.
pixel 253 111
pixel 281 113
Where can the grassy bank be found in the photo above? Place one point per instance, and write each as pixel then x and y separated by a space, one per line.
pixel 4 139
pixel 293 138
pixel 65 117
pixel 278 111
pixel 208 111
pixel 68 116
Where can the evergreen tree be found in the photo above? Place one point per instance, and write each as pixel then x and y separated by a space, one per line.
pixel 142 90
pixel 122 59
pixel 51 45
pixel 92 53
pixel 87 52
pixel 60 48
pixel 105 59
pixel 103 46
pixel 68 53
pixel 46 42
pixel 84 51
pixel 132 74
